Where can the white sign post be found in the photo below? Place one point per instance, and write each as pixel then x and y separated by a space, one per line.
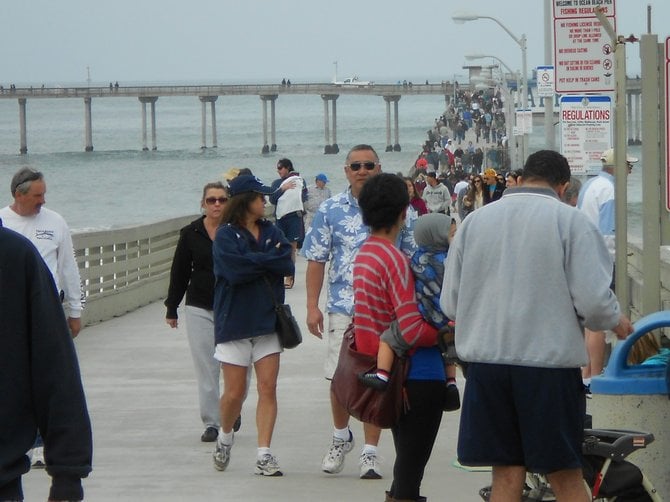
pixel 583 55
pixel 667 119
pixel 586 131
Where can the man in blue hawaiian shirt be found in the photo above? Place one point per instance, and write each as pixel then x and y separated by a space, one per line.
pixel 336 234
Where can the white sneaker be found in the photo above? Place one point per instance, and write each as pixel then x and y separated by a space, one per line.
pixel 369 466
pixel 333 462
pixel 221 455
pixel 38 457
pixel 267 465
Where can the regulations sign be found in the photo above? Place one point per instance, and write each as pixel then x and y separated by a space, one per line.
pixel 583 54
pixel 586 131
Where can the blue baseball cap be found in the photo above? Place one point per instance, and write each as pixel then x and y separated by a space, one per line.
pixel 322 177
pixel 247 183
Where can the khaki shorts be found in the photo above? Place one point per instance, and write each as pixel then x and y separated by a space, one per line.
pixel 337 325
pixel 247 351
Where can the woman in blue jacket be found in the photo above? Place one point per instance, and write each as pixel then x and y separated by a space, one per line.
pixel 251 259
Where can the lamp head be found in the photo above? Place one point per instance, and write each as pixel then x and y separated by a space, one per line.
pixel 463 18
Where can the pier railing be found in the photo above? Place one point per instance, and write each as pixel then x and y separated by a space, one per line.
pixel 125 268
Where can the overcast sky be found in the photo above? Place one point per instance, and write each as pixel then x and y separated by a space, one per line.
pixel 250 40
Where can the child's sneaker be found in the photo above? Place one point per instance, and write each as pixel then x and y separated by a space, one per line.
pixel 373 381
pixel 452 399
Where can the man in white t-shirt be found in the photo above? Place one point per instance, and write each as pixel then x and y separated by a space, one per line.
pixel 49 232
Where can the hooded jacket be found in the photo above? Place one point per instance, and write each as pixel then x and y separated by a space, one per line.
pixel 243 300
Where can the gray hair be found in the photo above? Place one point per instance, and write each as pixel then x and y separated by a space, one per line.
pixel 23 179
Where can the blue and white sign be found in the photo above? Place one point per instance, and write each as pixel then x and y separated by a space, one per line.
pixel 545 81
pixel 586 131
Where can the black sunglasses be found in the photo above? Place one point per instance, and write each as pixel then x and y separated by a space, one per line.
pixel 213 200
pixel 355 166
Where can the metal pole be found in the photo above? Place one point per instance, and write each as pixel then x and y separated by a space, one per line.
pixel 620 189
pixel 549 134
pixel 651 185
pixel 524 96
pixel 620 168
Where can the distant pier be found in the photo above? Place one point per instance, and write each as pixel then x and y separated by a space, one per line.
pixel 268 93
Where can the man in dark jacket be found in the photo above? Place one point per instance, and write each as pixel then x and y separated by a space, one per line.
pixel 40 383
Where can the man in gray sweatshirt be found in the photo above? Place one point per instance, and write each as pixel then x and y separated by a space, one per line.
pixel 520 301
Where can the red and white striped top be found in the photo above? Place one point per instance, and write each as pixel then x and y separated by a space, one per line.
pixel 383 292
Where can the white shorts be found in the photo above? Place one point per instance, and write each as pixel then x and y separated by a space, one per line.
pixel 247 351
pixel 337 325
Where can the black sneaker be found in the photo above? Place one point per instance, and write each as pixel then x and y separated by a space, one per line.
pixel 452 399
pixel 373 381
pixel 210 435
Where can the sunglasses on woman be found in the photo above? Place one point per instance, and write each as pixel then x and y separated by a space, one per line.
pixel 213 200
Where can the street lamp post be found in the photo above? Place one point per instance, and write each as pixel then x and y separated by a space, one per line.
pixel 521 42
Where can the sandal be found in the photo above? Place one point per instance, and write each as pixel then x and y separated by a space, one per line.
pixel 288 282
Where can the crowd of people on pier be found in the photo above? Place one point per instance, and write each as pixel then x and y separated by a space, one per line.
pixel 360 246
pixel 409 264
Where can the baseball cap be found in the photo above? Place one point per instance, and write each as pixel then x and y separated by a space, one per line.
pixel 322 177
pixel 247 183
pixel 608 157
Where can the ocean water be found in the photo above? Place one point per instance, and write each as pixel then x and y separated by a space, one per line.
pixel 119 185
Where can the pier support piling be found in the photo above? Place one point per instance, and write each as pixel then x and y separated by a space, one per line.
pixel 264 100
pixel 396 146
pixel 88 126
pixel 151 100
pixel 22 126
pixel 211 100
pixel 331 145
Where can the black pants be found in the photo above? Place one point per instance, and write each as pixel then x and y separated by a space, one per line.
pixel 414 436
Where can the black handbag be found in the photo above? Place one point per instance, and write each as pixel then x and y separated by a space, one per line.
pixel 286 325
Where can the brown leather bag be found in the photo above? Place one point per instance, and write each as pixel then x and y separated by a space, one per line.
pixel 382 409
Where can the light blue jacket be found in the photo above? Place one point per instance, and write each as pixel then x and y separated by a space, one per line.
pixel 523 276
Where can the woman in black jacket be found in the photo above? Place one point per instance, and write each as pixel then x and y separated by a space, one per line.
pixel 192 274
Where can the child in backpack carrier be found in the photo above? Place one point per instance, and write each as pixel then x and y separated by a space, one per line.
pixel 432 233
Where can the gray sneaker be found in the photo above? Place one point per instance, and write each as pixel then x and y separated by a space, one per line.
pixel 369 466
pixel 333 462
pixel 267 465
pixel 221 456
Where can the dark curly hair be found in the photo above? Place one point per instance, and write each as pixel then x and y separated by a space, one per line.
pixel 382 200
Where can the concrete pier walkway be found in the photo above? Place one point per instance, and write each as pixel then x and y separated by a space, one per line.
pixel 142 397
